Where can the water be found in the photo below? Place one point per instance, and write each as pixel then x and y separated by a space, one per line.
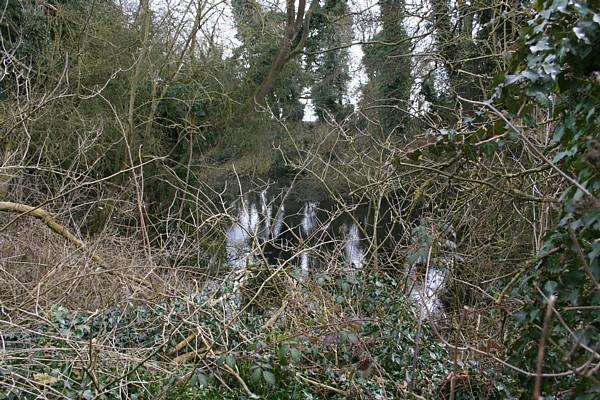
pixel 241 235
pixel 427 295
pixel 355 254
pixel 278 222
pixel 309 217
pixel 309 239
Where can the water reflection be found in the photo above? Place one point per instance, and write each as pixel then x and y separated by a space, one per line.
pixel 240 235
pixel 309 217
pixel 305 242
pixel 353 250
pixel 251 229
pixel 428 295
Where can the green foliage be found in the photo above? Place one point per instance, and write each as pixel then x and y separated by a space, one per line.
pixel 260 30
pixel 389 70
pixel 24 32
pixel 558 69
pixel 82 51
pixel 331 28
pixel 363 356
pixel 54 54
pixel 24 24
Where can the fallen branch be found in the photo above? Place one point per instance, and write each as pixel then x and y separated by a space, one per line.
pixel 184 343
pixel 59 229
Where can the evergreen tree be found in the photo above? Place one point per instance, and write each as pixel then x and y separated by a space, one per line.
pixel 331 29
pixel 389 69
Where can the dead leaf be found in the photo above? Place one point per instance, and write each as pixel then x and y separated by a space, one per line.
pixel 45 379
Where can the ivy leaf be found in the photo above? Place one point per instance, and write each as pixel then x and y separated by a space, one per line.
pixel 595 253
pixel 88 395
pixel 345 287
pixel 530 75
pixel 489 148
pixel 541 45
pixel 591 219
pixel 203 379
pixel 269 377
pixel 295 354
pixel 513 78
pixel 343 336
pixel 564 154
pixel 256 374
pixel 414 155
pixel 561 5
pixel 230 361
pixel 550 287
pixel 581 34
pixel 551 69
pixel 540 96
pixel 559 133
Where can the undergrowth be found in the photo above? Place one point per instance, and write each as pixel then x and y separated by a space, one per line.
pixel 349 336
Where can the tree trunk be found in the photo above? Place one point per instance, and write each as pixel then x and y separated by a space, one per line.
pixel 296 23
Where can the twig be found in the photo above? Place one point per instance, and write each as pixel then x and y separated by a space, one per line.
pixel 502 362
pixel 540 360
pixel 324 386
pixel 422 308
pixel 276 315
pixel 455 361
pixel 185 342
pixel 531 145
pixel 240 380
